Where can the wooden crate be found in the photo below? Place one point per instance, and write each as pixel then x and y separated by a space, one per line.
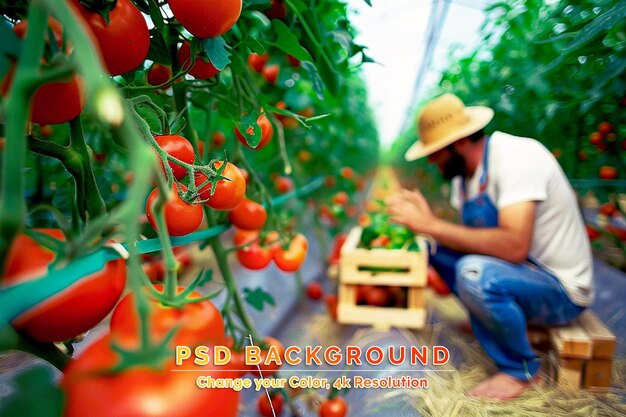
pixel 582 354
pixel 353 263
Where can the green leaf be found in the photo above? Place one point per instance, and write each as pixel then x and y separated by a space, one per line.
pixel 368 2
pixel 158 51
pixel 257 298
pixel 249 128
pixel 36 395
pixel 318 85
pixel 254 45
pixel 288 42
pixel 249 3
pixel 218 52
pixel 597 26
pixel 11 44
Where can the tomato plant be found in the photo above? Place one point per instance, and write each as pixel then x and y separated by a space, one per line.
pixel 203 21
pixel 200 67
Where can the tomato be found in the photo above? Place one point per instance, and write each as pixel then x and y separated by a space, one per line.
pixel 243 237
pixel 228 192
pixel 267 132
pixel 364 220
pixel 245 174
pixel 206 18
pixel 346 172
pixel 293 61
pixel 141 391
pixel 180 148
pixel 155 271
pixel 378 296
pixel 381 241
pixel 604 128
pixel 330 181
pixel 315 291
pixel 608 209
pixel 290 259
pixel 334 408
pixel 557 153
pixel 277 10
pixel 607 172
pixel 71 311
pixel 283 184
pixel 248 215
pixel 340 239
pixel 331 304
pixel 272 241
pixel 304 156
pixel 264 407
pixel 436 282
pixel 269 369
pixel 257 62
pixel 123 41
pixel 158 74
pixel 361 293
pixel 592 232
pixel 202 68
pixel 340 198
pixel 596 138
pixel 270 72
pixel 181 218
pixel 254 257
pixel 198 323
pixel 582 156
pixel 218 139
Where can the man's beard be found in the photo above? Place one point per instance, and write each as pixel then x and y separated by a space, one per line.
pixel 454 166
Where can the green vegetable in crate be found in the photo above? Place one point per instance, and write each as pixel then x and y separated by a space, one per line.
pixel 381 233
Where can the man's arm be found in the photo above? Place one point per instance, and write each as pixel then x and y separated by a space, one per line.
pixel 509 241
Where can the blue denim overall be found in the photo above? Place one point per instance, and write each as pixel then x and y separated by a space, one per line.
pixel 502 297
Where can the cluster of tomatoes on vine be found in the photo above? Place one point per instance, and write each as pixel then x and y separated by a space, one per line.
pixel 605 139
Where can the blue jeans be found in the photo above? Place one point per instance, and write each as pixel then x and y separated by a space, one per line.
pixel 502 298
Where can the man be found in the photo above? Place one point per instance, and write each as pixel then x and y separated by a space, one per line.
pixel 521 256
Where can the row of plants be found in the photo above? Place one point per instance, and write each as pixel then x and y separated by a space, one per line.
pixel 169 121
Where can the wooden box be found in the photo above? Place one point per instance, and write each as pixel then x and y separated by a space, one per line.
pixel 382 267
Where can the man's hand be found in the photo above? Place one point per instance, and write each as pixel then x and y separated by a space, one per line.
pixel 411 209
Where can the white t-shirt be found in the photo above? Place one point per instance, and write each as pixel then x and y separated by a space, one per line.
pixel 522 169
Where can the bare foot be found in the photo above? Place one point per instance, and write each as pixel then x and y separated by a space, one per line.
pixel 502 387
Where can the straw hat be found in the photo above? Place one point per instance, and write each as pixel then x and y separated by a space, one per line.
pixel 445 120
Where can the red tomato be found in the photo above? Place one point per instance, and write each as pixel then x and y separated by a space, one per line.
pixel 202 68
pixel 361 293
pixel 264 407
pixel 158 74
pixel 330 181
pixel 347 172
pixel 228 192
pixel 272 241
pixel 181 217
pixel 248 215
pixel 436 282
pixel 257 62
pixel 243 237
pixel 592 232
pixel 283 184
pixel 267 132
pixel 331 304
pixel 604 128
pixel 270 72
pixel 380 242
pixel 596 138
pixel 254 257
pixel 607 172
pixel 180 148
pixel 198 323
pixel 619 232
pixel 315 291
pixel 293 61
pixel 582 155
pixel 608 209
pixel 378 296
pixel 245 174
pixel 72 311
pixel 277 10
pixel 340 198
pixel 334 408
pixel 290 259
pixel 218 139
pixel 269 369
pixel 155 271
pixel 340 239
pixel 123 41
pixel 206 18
pixel 141 390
